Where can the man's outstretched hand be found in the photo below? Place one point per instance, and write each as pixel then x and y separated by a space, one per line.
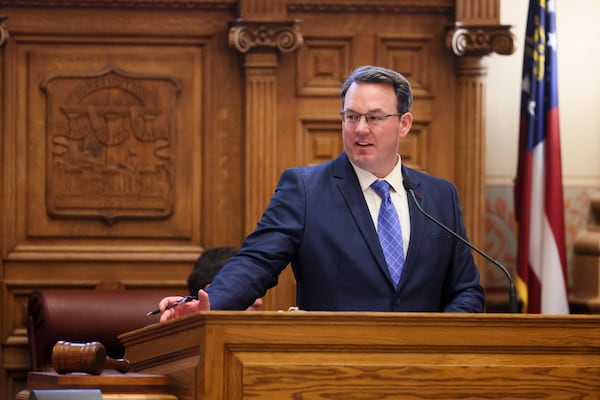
pixel 183 309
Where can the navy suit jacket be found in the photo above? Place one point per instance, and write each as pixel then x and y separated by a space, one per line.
pixel 318 221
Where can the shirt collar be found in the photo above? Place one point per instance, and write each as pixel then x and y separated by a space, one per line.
pixel 366 178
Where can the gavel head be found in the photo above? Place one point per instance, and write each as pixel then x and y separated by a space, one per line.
pixel 78 357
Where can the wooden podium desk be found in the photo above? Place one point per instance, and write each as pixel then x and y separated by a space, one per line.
pixel 326 355
pixel 113 385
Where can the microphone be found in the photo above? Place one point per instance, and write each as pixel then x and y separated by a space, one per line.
pixel 512 294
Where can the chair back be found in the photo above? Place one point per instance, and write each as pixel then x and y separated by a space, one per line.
pixel 86 315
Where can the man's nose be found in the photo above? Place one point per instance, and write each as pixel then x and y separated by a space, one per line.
pixel 362 125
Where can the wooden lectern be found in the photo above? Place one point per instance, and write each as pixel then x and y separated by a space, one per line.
pixel 330 355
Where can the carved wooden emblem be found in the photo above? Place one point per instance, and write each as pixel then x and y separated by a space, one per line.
pixel 109 142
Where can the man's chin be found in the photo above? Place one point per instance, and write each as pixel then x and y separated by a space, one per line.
pixel 363 160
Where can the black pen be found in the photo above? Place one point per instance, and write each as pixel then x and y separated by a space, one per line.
pixel 172 305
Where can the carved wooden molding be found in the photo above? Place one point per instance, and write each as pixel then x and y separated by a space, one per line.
pixel 480 40
pixel 373 6
pixel 3 30
pixel 161 4
pixel 245 36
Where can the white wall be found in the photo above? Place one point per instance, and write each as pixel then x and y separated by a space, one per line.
pixel 578 30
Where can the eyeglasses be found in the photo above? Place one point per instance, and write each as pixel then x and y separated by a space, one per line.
pixel 372 118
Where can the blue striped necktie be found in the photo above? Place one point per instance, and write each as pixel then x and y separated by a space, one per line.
pixel 389 231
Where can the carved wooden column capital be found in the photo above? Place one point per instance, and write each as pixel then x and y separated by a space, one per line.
pixel 260 40
pixel 3 30
pixel 283 36
pixel 480 40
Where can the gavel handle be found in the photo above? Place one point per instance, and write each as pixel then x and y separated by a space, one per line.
pixel 121 364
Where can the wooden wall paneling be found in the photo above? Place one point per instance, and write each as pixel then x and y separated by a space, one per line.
pixel 3 33
pixel 15 356
pixel 322 63
pixel 12 369
pixel 106 151
pixel 222 155
pixel 88 175
pixel 337 42
pixel 417 56
pixel 79 210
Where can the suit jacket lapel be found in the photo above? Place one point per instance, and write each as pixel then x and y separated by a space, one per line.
pixel 350 189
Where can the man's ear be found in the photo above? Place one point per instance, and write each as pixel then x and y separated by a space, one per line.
pixel 406 121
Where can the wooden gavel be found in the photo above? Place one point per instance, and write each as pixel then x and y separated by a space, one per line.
pixel 88 357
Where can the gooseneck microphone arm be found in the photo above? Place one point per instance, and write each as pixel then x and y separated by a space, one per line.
pixel 512 293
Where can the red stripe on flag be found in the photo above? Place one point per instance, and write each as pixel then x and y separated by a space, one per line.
pixel 554 188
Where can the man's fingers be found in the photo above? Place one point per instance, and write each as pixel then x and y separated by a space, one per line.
pixel 203 301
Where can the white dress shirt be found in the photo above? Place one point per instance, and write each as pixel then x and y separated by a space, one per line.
pixel 397 193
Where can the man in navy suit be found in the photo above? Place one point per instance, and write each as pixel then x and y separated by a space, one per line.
pixel 323 220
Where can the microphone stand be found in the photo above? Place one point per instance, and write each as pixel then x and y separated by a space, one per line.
pixel 512 293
